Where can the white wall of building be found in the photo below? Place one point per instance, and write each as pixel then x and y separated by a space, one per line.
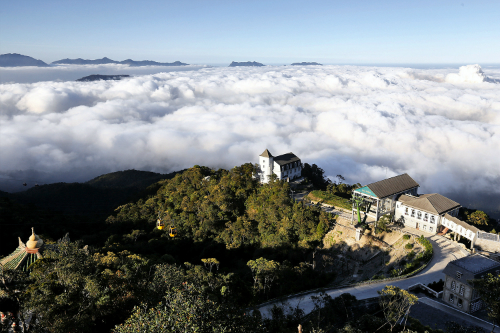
pixel 266 167
pixel 292 170
pixel 459 229
pixel 416 218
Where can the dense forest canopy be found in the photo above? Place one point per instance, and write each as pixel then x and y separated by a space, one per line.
pixel 229 207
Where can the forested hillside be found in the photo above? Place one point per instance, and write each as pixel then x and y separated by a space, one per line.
pixel 229 207
pixel 238 243
pixel 96 197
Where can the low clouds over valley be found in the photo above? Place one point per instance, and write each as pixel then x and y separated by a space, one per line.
pixel 441 126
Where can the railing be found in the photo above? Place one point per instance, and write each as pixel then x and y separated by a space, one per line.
pixel 423 286
pixel 488 236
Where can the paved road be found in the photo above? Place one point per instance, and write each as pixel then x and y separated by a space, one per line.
pixel 444 252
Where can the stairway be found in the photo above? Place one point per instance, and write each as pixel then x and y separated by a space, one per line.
pixel 444 231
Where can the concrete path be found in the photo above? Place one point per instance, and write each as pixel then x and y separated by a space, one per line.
pixel 444 252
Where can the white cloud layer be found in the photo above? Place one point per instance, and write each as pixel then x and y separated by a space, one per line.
pixel 441 127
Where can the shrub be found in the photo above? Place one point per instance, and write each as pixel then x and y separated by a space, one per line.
pixel 409 246
pixel 410 255
pixel 427 246
pixel 395 273
pixel 436 285
pixel 406 237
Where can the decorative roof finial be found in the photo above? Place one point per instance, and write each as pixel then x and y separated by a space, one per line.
pixel 34 242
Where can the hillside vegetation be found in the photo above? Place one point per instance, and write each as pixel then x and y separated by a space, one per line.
pixel 99 196
pixel 229 207
pixel 238 244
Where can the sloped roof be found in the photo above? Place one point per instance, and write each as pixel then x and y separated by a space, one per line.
pixel 286 158
pixel 461 223
pixel 393 185
pixel 22 255
pixel 433 203
pixel 15 259
pixel 266 153
pixel 471 267
pixel 406 197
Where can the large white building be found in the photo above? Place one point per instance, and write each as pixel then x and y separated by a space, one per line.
pixel 425 212
pixel 433 213
pixel 285 167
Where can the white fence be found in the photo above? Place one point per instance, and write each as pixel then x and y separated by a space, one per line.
pixel 488 236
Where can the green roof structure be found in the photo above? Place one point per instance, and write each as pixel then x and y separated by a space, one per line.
pixel 25 254
pixel 365 190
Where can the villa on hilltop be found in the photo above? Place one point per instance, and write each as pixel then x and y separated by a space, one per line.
pixel 285 167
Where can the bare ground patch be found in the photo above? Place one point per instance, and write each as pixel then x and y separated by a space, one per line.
pixel 380 255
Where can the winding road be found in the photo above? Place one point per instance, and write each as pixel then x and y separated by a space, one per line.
pixel 444 252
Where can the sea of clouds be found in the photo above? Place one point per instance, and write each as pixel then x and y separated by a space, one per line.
pixel 441 126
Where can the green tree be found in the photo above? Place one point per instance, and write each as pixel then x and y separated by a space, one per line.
pixel 264 273
pixel 489 291
pixel 383 223
pixel 395 304
pixel 187 309
pixel 71 290
pixel 316 175
pixel 210 263
pixel 479 218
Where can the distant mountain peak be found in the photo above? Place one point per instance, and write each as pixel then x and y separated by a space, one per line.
pixel 246 63
pixel 306 64
pixel 98 77
pixel 19 60
pixel 106 60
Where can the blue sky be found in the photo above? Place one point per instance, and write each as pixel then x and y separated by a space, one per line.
pixel 273 31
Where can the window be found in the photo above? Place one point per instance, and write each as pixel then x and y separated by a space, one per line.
pixel 430 229
pixel 426 217
pixel 419 215
pixel 476 305
pixel 425 227
pixel 462 290
pixel 453 285
pixel 459 275
pixel 460 303
pixel 406 211
pixel 451 298
pixel 413 213
pixel 433 219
